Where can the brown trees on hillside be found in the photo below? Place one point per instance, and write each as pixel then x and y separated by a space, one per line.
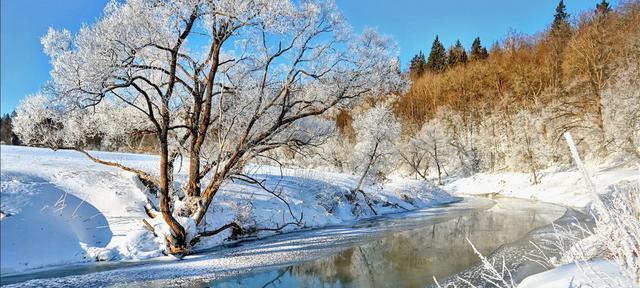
pixel 560 77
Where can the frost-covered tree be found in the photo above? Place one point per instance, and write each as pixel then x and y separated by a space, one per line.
pixel 621 109
pixel 216 82
pixel 529 149
pixel 377 133
pixel 430 147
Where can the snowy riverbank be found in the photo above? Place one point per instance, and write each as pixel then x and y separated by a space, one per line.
pixel 560 187
pixel 60 208
pixel 565 188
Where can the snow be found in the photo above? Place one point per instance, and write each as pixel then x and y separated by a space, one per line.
pixel 60 208
pixel 595 273
pixel 560 187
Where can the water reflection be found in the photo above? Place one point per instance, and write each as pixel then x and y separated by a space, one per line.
pixel 411 258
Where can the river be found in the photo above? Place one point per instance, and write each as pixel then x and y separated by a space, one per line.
pixel 398 250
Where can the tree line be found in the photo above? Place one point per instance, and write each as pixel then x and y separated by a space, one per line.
pixel 506 108
pixel 440 59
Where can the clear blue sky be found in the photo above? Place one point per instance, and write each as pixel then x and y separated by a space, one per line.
pixel 413 23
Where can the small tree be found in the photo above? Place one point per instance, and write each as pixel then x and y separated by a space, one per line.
pixel 529 150
pixel 377 132
pixel 434 143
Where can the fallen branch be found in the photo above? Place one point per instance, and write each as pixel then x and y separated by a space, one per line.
pixel 237 230
pixel 277 229
pixel 366 199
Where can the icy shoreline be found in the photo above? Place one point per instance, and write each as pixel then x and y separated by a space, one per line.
pixel 60 208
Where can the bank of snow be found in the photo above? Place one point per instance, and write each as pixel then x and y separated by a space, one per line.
pixel 596 273
pixel 560 187
pixel 60 208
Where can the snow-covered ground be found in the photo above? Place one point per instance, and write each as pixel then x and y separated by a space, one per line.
pixel 58 207
pixel 560 187
pixel 596 273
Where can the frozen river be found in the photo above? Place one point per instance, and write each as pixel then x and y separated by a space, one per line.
pixel 397 250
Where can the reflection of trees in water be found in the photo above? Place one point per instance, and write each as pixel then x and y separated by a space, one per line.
pixel 516 256
pixel 275 281
pixel 412 258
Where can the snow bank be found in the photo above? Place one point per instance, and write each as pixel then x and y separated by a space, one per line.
pixel 564 188
pixel 60 208
pixel 596 273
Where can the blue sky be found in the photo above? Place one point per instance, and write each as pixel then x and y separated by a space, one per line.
pixel 413 23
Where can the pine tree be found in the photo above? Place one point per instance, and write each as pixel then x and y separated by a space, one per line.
pixel 418 65
pixel 438 57
pixel 560 34
pixel 603 8
pixel 457 55
pixel 5 129
pixel 561 18
pixel 477 51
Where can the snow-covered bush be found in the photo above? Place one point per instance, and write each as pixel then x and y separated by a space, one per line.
pixel 377 132
pixel 36 121
pixel 529 150
pixel 429 151
pixel 244 215
pixel 620 235
pixel 621 109
pixel 43 120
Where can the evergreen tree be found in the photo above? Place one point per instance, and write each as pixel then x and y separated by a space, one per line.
pixel 6 129
pixel 561 18
pixel 418 65
pixel 477 51
pixel 457 55
pixel 560 34
pixel 438 57
pixel 603 8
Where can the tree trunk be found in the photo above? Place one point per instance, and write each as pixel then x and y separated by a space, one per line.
pixel 435 153
pixel 208 195
pixel 177 243
pixel 366 171
pixel 193 188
